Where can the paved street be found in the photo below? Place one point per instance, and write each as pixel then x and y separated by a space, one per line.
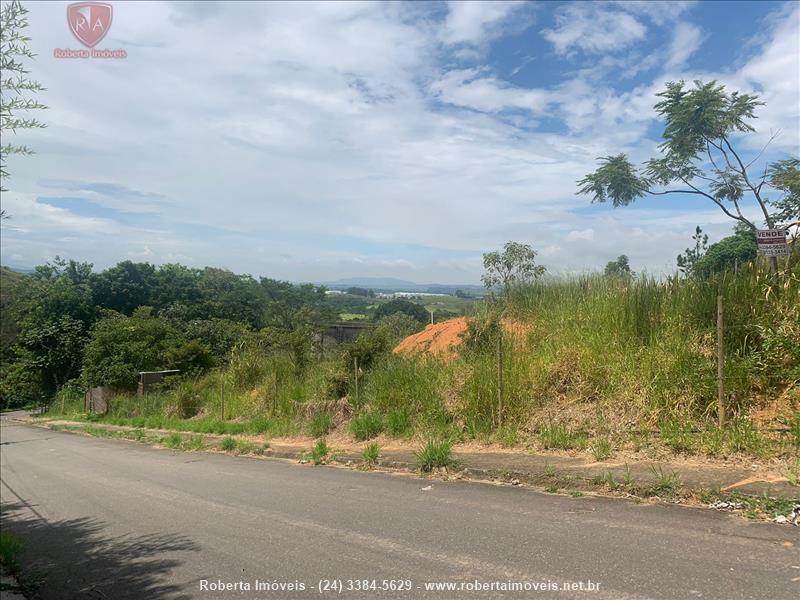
pixel 114 519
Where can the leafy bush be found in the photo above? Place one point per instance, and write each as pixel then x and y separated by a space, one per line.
pixel 122 346
pixel 190 357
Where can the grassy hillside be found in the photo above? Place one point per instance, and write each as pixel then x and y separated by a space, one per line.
pixel 597 364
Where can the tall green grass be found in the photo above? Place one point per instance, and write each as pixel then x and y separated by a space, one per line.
pixel 595 356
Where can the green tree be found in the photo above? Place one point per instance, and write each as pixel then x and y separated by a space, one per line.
pixel 690 256
pixel 53 348
pixel 399 305
pixel 121 346
pixel 53 313
pixel 190 357
pixel 733 250
pixel 620 266
pixel 125 287
pixel 698 157
pixel 784 176
pixel 17 90
pixel 515 265
pixel 359 291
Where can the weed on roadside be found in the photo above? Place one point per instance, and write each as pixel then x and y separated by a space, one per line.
pixel 228 444
pixel 434 455
pixel 194 443
pixel 601 448
pixel 606 479
pixel 173 441
pixel 320 453
pixel 665 485
pixel 370 454
pixel 549 470
pixel 627 478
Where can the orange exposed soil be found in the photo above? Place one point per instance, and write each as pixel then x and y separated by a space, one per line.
pixel 438 339
pixel 442 339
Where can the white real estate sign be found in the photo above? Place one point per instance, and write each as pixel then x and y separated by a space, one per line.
pixel 772 242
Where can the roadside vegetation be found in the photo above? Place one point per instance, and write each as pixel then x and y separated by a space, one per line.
pixel 653 390
pixel 599 363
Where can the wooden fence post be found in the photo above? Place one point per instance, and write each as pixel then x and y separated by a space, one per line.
pixel 720 364
pixel 355 370
pixel 500 379
pixel 222 395
pixel 275 393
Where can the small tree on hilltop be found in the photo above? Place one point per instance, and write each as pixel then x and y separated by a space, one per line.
pixel 699 159
pixel 515 265
pixel 620 266
pixel 690 256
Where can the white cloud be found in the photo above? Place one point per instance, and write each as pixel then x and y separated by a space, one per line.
pixel 474 22
pixel 332 139
pixel 467 88
pixel 585 234
pixel 658 12
pixel 593 28
pixel 686 40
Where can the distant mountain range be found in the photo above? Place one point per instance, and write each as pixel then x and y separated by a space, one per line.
pixel 392 284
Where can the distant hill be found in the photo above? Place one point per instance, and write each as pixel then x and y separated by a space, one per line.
pixel 392 284
pixel 370 282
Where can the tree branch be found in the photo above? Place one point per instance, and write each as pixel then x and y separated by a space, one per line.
pixel 740 217
pixel 750 185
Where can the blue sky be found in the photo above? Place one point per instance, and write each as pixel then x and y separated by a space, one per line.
pixel 316 141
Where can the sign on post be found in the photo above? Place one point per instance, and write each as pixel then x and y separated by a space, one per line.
pixel 772 242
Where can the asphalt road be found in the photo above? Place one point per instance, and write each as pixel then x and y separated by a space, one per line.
pixel 114 520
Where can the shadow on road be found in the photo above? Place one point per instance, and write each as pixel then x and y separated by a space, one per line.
pixel 77 559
